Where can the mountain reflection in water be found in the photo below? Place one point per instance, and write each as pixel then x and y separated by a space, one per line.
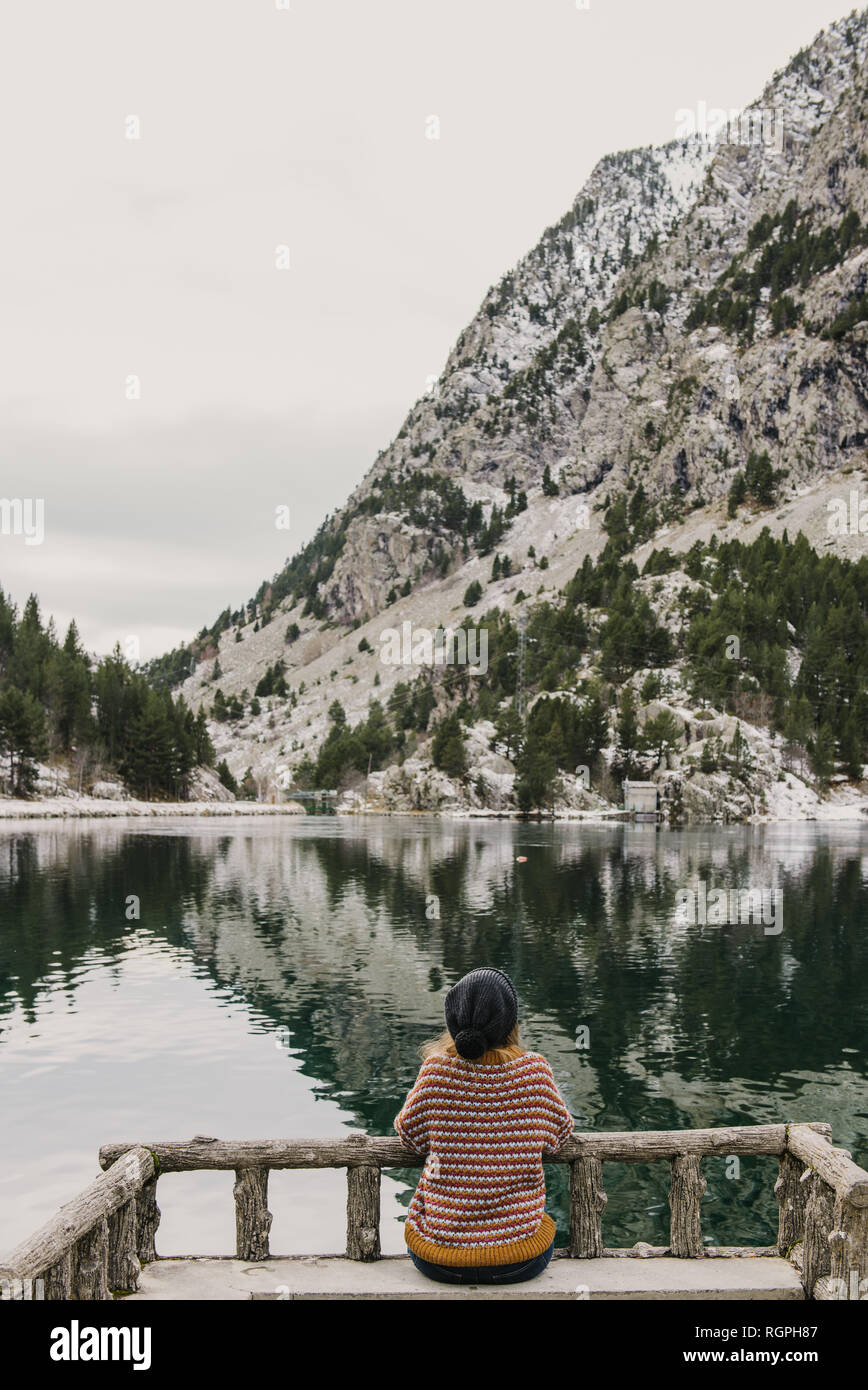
pixel 282 974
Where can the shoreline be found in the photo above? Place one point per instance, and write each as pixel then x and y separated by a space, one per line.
pixel 61 808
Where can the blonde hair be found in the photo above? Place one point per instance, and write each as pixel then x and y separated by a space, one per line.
pixel 444 1046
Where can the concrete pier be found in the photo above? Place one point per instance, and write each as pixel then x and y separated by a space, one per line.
pixel 395 1277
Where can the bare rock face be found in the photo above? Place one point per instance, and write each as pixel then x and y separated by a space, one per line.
pixel 711 395
pixel 415 786
pixel 108 791
pixel 379 554
pixel 705 799
pixel 205 785
pixel 496 764
pixel 537 332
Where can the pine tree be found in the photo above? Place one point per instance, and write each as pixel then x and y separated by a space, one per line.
pixel 627 738
pixel 337 715
pixel 202 745
pixel 27 668
pixel 536 771
pixel 115 702
pixel 823 756
pixel 7 629
pixel 549 486
pixel 851 748
pixel 22 737
pixel 707 762
pixel 149 766
pixel 447 747
pixel 737 494
pixel 508 729
pixel 661 735
pixel 740 755
pixel 226 777
pixel 591 729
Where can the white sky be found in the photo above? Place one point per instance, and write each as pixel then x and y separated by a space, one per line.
pixel 305 127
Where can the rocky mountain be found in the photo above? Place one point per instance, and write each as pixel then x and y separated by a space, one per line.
pixel 695 323
pixel 546 375
pixel 515 388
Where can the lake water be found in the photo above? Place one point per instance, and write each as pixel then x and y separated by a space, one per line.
pixel 282 974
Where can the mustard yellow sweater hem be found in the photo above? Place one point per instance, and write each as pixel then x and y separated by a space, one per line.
pixel 464 1255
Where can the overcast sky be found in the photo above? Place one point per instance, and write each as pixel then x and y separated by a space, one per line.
pixel 302 126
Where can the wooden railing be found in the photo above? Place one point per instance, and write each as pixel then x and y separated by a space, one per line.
pixel 97 1243
pixel 90 1248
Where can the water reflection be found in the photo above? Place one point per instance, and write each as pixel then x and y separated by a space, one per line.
pixel 338 940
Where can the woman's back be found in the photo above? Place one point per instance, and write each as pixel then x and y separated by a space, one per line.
pixel 484 1126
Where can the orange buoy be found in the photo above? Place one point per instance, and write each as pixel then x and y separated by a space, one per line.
pixel 522 859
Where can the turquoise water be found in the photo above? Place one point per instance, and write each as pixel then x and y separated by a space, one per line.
pixel 281 975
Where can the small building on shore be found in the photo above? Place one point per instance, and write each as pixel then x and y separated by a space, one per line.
pixel 641 800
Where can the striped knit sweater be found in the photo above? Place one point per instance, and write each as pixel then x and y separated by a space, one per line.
pixel 484 1126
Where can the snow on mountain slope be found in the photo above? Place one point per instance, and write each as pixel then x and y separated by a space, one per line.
pixel 585 360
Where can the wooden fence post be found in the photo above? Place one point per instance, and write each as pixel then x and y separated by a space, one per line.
pixel 363 1212
pixel 587 1202
pixel 58 1279
pixel 792 1201
pixel 252 1217
pixel 124 1267
pixel 819 1219
pixel 147 1221
pixel 848 1250
pixel 685 1197
pixel 90 1264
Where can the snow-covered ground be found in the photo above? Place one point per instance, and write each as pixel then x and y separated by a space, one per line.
pixel 792 800
pixel 86 807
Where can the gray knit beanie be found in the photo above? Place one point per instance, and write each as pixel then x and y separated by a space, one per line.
pixel 481 1011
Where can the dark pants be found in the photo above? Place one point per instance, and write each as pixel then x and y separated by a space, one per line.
pixel 485 1274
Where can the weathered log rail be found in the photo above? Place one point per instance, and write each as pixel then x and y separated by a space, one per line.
pixel 93 1247
pixel 97 1243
